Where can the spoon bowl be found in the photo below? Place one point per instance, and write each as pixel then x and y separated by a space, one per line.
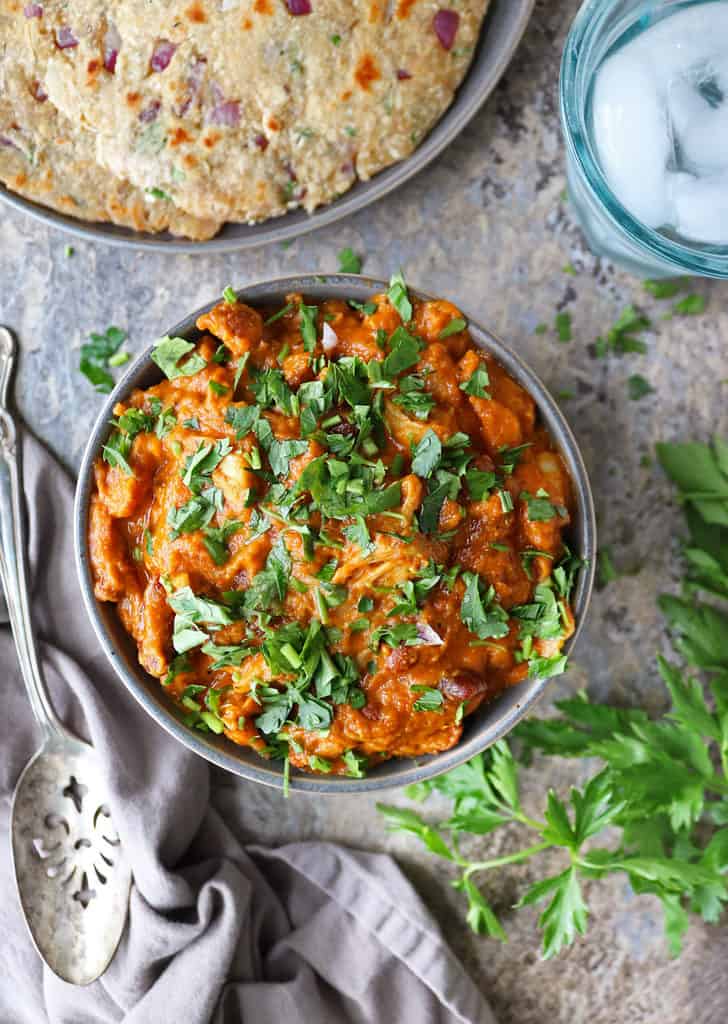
pixel 73 880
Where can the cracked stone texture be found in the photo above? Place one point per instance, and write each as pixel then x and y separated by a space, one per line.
pixel 486 226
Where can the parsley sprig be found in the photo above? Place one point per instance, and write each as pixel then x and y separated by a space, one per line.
pixel 656 811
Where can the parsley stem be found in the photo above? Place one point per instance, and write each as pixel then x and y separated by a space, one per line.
pixel 511 858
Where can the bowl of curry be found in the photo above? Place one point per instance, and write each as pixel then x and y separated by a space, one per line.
pixel 333 534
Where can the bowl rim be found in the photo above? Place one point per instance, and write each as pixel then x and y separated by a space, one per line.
pixel 484 73
pixel 221 751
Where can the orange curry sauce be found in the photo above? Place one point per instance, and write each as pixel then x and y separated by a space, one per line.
pixel 336 530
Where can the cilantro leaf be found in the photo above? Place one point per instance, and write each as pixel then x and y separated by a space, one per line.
pixel 399 297
pixel 97 354
pixel 477 384
pixel 454 327
pixel 427 454
pixel 167 353
pixel 349 262
pixel 404 352
pixel 480 612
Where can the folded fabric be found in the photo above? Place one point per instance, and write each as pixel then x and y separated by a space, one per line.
pixel 310 932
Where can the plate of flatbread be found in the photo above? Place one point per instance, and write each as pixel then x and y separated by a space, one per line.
pixel 216 125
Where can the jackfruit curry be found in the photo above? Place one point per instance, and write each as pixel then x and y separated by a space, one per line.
pixel 334 530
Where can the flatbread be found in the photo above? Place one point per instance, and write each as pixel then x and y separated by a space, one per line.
pixel 239 110
pixel 44 158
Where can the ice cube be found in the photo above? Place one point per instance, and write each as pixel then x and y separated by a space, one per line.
pixel 632 135
pixel 700 207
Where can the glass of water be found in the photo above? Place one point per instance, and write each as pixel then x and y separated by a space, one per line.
pixel 644 108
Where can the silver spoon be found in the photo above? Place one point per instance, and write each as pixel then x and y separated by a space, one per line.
pixel 73 879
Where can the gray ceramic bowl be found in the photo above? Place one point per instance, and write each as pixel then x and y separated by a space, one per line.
pixel 506 22
pixel 485 726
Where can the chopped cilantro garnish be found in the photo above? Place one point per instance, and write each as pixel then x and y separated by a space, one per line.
pixel 480 483
pixel 280 314
pixel 427 454
pixel 429 699
pixel 540 509
pixel 308 326
pixel 367 308
pixel 167 353
pixel 477 384
pixel 399 297
pixel 454 327
pixel 229 294
pixel 479 610
pixel 413 398
pixel 404 352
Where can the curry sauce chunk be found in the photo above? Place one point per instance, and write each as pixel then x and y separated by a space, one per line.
pixel 334 529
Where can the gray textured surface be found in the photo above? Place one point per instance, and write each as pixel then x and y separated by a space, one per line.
pixel 486 226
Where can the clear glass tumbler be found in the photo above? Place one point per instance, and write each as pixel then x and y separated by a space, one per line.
pixel 609 228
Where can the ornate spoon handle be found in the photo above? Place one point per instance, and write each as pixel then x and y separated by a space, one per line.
pixel 12 547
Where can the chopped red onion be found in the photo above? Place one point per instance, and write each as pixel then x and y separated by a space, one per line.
pixel 149 113
pixel 445 24
pixel 33 11
pixel 297 7
pixel 403 74
pixel 112 45
pixel 329 340
pixel 261 142
pixel 8 143
pixel 427 635
pixel 194 84
pixel 226 112
pixel 162 54
pixel 65 39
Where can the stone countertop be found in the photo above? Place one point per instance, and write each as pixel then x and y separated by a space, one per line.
pixel 487 226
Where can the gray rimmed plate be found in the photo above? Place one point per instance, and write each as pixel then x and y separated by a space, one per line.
pixel 505 24
pixel 484 727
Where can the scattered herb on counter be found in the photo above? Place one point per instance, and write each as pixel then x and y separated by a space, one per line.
pixel 606 570
pixel 98 354
pixel 666 289
pixel 570 269
pixel 540 328
pixel 691 305
pixel 662 788
pixel 638 387
pixel 562 326
pixel 349 262
pixel 68 251
pixel 622 336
